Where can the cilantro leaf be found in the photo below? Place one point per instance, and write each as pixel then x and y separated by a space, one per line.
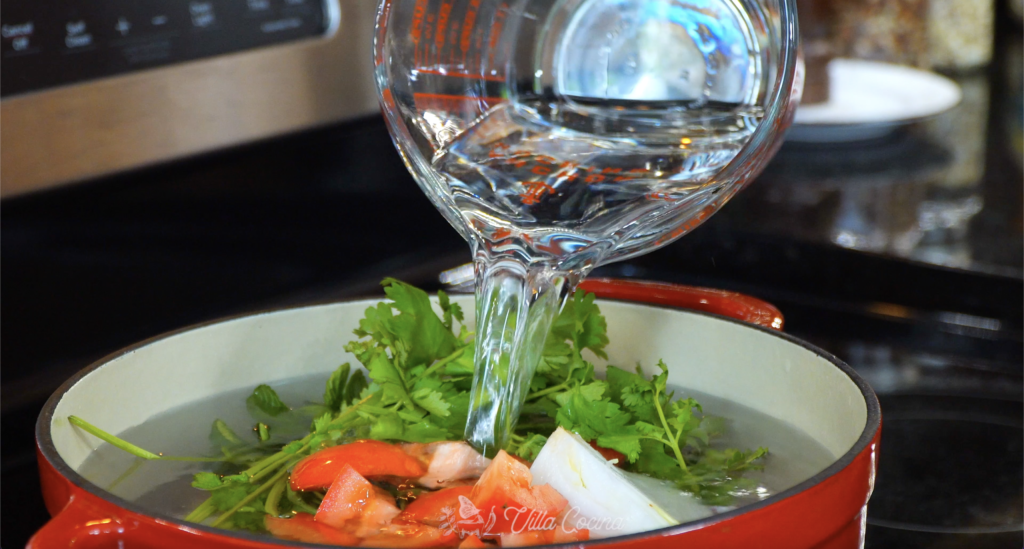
pixel 388 426
pixel 223 437
pixel 343 388
pixel 655 462
pixel 251 517
pixel 265 399
pixel 322 423
pixel 385 374
pixel 229 495
pixel 425 336
pixel 462 365
pixel 431 400
pixel 634 392
pixel 425 431
pixel 583 411
pixel 530 447
pixel 581 322
pixel 206 481
pixel 450 310
pixel 391 426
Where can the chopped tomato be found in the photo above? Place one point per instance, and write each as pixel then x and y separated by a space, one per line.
pixel 430 507
pixel 525 539
pixel 566 536
pixel 609 454
pixel 303 528
pixel 356 505
pixel 346 499
pixel 378 514
pixel 411 535
pixel 565 531
pixel 370 458
pixel 543 537
pixel 472 542
pixel 504 491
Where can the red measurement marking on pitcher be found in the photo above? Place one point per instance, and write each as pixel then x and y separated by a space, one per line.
pixel 659 195
pixel 502 156
pixel 457 72
pixel 690 224
pixel 461 104
pixel 465 39
pixel 495 33
pixel 443 13
pixel 419 11
pixel 535 191
pixel 450 36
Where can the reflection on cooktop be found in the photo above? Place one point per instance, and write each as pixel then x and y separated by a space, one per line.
pixel 949 465
pixel 946 192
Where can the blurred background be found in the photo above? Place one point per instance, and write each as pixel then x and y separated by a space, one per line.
pixel 168 162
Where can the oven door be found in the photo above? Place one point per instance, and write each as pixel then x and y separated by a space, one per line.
pixel 282 75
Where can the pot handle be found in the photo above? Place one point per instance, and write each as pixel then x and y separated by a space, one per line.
pixel 731 304
pixel 79 525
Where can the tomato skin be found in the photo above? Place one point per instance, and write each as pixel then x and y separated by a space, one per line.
pixel 608 454
pixel 525 539
pixel 472 542
pixel 562 536
pixel 504 490
pixel 543 537
pixel 370 458
pixel 411 535
pixel 346 499
pixel 429 507
pixel 302 527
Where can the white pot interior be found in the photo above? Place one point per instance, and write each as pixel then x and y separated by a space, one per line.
pixel 727 359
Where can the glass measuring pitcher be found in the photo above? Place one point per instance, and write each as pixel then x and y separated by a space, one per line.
pixel 557 135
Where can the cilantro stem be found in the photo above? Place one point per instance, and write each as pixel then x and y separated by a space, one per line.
pixel 297 502
pixel 548 391
pixel 668 432
pixel 197 459
pixel 352 408
pixel 202 512
pixel 107 437
pixel 249 498
pixel 435 366
pixel 274 497
pixel 141 452
pixel 272 459
pixel 274 464
pixel 136 463
pixel 226 431
pixel 544 425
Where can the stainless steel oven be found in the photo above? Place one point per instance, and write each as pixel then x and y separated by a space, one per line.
pixel 94 88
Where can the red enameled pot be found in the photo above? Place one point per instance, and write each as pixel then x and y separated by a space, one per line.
pixel 716 342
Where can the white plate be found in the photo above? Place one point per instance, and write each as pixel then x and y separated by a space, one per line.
pixel 869 99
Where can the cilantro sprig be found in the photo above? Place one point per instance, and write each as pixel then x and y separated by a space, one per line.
pixel 661 436
pixel 418 372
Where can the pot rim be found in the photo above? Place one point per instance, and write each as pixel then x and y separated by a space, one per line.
pixel 44 440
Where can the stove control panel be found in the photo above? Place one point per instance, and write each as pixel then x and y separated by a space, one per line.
pixel 47 43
